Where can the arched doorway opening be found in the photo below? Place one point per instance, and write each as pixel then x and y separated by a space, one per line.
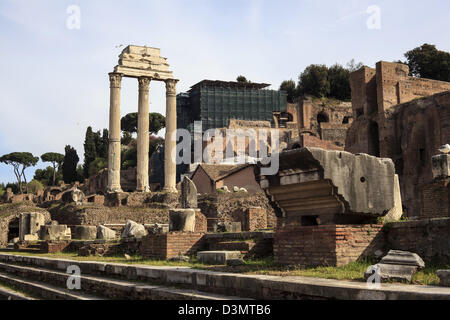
pixel 374 139
pixel 322 117
pixel 13 229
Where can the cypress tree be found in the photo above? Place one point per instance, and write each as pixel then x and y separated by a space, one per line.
pixel 90 152
pixel 103 152
pixel 69 166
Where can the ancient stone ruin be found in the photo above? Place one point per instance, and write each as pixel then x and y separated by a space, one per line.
pixel 146 65
pixel 317 193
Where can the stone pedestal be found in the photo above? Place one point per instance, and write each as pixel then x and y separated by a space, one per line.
pixel 114 134
pixel 182 220
pixel 441 166
pixel 55 233
pixel 170 169
pixel 143 136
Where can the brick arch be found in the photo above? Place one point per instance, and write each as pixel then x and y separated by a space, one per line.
pixel 323 117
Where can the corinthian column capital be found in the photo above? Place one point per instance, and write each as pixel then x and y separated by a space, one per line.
pixel 115 80
pixel 144 83
pixel 171 87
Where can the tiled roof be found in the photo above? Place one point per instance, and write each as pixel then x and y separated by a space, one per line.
pixel 218 172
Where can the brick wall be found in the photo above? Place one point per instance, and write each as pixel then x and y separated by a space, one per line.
pixel 54 247
pixel 338 245
pixel 436 199
pixel 314 142
pixel 253 219
pixel 428 238
pixel 201 224
pixel 166 246
pixel 332 245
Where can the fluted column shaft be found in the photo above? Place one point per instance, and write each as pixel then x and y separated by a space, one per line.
pixel 170 168
pixel 143 136
pixel 114 134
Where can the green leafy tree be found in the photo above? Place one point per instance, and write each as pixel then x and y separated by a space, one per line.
pixel 314 81
pixel 90 151
pixel 20 162
pixel 14 187
pixel 155 142
pixel 129 157
pixel 2 190
pixel 69 166
pixel 102 151
pixel 157 122
pixel 429 62
pixel 242 79
pixel 290 87
pixel 56 160
pixel 98 142
pixel 339 78
pixel 34 186
pixel 80 173
pixel 47 176
pixel 97 165
pixel 352 66
pixel 126 139
pixel 129 123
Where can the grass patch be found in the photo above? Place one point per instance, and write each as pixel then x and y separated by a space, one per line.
pixel 111 259
pixel 352 271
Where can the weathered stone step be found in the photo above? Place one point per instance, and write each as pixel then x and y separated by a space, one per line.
pixel 243 246
pixel 45 291
pixel 262 287
pixel 112 288
pixel 217 257
pixel 9 294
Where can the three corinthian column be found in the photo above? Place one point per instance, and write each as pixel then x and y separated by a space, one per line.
pixel 143 136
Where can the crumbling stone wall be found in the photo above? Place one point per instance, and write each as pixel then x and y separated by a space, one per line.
pixel 252 219
pixel 10 212
pixel 326 119
pixel 98 184
pixel 307 140
pixel 226 207
pixel 411 135
pixel 435 199
pixel 428 238
pixel 95 214
pixel 402 118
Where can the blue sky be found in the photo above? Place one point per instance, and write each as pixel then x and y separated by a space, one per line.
pixel 54 82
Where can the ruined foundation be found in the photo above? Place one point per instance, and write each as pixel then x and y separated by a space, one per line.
pixel 328 203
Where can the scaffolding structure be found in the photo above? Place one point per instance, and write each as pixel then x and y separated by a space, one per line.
pixel 216 102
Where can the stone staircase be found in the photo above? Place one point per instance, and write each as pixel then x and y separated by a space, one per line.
pixel 27 277
pixel 243 246
pixel 32 281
